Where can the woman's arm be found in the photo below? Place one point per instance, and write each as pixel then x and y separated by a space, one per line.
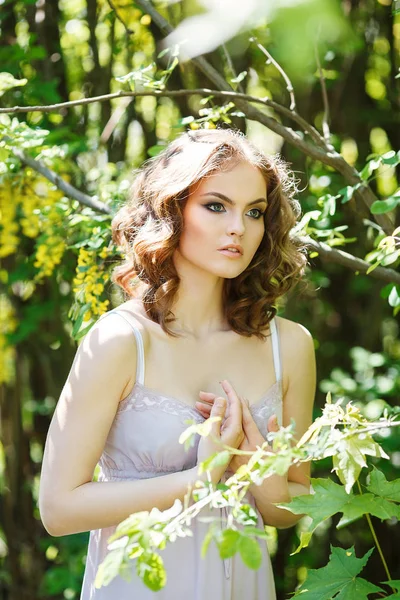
pixel 298 358
pixel 69 501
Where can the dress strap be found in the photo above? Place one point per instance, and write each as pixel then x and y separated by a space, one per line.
pixel 139 345
pixel 276 349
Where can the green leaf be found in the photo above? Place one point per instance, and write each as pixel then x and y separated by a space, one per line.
pixel 330 498
pixel 150 567
pixel 206 542
pixel 338 579
pixel 203 429
pixel 370 167
pixel 394 297
pixel 250 552
pixel 347 193
pixel 215 460
pixel 391 158
pixel 378 484
pixel 228 543
pixel 350 458
pixel 390 258
pixel 154 150
pixel 394 584
pixel 240 77
pixel 8 81
pixel 379 207
pixel 245 515
pixel 251 531
pixel 109 568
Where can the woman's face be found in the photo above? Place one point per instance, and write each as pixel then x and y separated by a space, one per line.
pixel 225 208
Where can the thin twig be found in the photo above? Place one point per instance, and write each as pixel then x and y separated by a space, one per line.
pixel 377 544
pixel 120 19
pixel 325 119
pixel 285 76
pixel 231 94
pixel 232 67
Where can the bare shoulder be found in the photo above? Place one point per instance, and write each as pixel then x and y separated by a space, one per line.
pixel 293 334
pixel 111 341
pixel 297 353
pixel 115 328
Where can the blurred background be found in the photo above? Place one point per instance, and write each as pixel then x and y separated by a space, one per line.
pixel 342 60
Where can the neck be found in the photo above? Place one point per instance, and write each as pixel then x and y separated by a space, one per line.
pixel 198 306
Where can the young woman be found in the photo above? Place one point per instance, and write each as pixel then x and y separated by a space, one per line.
pixel 206 234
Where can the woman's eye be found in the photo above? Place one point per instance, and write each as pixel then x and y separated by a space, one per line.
pixel 210 204
pixel 260 213
pixel 214 204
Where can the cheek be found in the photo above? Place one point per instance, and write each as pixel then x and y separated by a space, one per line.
pixel 196 228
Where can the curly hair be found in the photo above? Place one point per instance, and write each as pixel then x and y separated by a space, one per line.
pixel 147 229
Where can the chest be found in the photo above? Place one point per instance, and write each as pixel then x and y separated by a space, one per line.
pixel 182 368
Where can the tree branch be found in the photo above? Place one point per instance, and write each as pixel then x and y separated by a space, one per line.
pixel 243 102
pixel 325 251
pixel 270 59
pixel 352 262
pixel 325 120
pixel 61 184
pixel 331 158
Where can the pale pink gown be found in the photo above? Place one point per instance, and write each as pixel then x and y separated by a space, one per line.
pixel 143 443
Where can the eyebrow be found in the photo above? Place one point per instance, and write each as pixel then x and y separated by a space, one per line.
pixel 223 197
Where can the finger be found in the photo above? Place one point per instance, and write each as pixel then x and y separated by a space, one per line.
pixel 207 396
pixel 218 410
pixel 247 416
pixel 203 409
pixel 250 428
pixel 235 406
pixel 273 423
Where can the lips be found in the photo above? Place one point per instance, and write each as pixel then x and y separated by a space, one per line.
pixel 234 247
pixel 230 253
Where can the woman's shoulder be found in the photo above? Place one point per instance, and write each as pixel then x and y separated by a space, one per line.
pixel 293 334
pixel 114 329
pixel 295 340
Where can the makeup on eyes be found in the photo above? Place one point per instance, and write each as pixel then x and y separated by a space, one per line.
pixel 261 213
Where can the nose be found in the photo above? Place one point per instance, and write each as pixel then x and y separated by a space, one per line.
pixel 236 225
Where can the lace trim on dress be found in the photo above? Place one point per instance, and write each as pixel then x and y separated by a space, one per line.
pixel 273 397
pixel 142 398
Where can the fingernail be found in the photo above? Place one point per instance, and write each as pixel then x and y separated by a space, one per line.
pixel 220 402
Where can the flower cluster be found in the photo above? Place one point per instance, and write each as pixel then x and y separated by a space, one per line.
pixel 9 226
pixel 8 324
pixel 31 204
pixel 51 245
pixel 90 280
pixel 48 256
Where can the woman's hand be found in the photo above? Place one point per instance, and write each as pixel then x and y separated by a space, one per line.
pixel 252 435
pixel 227 431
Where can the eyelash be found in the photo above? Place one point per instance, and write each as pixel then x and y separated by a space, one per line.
pixel 220 204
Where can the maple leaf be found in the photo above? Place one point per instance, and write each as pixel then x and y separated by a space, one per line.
pixel 338 579
pixel 349 457
pixel 394 584
pixel 379 485
pixel 330 498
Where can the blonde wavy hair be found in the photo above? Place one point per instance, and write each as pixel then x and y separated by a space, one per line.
pixel 148 227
